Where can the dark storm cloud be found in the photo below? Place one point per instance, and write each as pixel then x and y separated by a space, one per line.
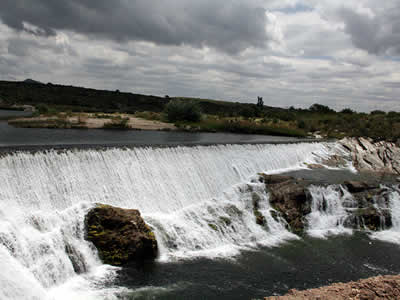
pixel 379 34
pixel 230 26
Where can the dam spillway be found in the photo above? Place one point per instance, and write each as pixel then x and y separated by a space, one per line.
pixel 184 193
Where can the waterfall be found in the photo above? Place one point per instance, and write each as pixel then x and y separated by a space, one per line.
pixel 330 207
pixel 393 234
pixel 199 200
pixel 220 226
pixel 328 212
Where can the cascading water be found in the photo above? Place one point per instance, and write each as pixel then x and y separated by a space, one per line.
pixel 198 199
pixel 393 234
pixel 221 225
pixel 328 213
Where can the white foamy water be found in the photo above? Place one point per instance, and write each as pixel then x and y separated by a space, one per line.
pixel 220 226
pixel 327 211
pixel 198 199
pixel 393 234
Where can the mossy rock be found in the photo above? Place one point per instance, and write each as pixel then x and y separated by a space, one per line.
pixel 225 221
pixel 120 235
pixel 213 226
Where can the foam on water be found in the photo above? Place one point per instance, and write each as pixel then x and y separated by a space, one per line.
pixel 199 201
pixel 220 226
pixel 327 212
pixel 393 234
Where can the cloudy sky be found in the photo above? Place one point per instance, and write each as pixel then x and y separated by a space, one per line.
pixel 341 53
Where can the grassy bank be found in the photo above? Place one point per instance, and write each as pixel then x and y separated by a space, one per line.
pixel 240 126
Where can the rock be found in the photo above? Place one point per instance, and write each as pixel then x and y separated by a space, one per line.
pixel 315 166
pixel 272 179
pixel 357 186
pixel 380 287
pixel 260 219
pixel 120 235
pixel 334 161
pixel 289 197
pixel 370 217
pixel 381 157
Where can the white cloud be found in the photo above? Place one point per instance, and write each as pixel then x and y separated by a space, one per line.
pixel 312 56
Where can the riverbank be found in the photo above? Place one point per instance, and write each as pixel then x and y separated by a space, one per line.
pixel 90 121
pixel 380 287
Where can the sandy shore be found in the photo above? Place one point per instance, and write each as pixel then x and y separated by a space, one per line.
pixel 380 287
pixel 90 121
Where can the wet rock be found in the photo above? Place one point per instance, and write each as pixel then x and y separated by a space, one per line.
pixel 76 258
pixel 369 218
pixel 120 235
pixel 358 186
pixel 260 219
pixel 273 179
pixel 289 197
pixel 334 161
pixel 315 166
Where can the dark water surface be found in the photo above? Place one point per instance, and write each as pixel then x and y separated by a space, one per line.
pixel 31 138
pixel 5 113
pixel 301 264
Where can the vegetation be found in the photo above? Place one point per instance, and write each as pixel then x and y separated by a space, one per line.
pixel 203 114
pixel 117 123
pixel 180 110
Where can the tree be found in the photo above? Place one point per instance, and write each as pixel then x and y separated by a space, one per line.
pixel 378 112
pixel 260 102
pixel 347 111
pixel 321 108
pixel 183 110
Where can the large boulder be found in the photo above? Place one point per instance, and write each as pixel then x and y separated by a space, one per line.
pixel 120 235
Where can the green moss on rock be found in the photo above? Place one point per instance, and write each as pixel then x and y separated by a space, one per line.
pixel 213 226
pixel 120 235
pixel 225 221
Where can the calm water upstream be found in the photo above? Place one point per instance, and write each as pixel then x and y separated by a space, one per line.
pixel 23 137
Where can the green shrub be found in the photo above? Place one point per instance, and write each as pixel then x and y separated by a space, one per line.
pixel 347 111
pixel 121 123
pixel 181 110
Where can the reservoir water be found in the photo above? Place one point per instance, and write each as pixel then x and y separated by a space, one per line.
pixel 36 138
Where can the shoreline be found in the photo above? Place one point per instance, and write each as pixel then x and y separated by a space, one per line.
pixel 90 121
pixel 378 287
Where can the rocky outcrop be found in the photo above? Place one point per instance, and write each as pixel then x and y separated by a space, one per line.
pixel 120 235
pixel 290 199
pixel 288 196
pixel 358 186
pixel 334 161
pixel 380 287
pixel 381 157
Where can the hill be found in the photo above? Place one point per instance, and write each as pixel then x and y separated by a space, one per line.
pixel 317 120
